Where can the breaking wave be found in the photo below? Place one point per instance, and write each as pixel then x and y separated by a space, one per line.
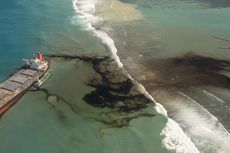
pixel 174 138
pixel 208 132
pixel 86 10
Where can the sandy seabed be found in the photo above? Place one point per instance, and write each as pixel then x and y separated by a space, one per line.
pixel 117 11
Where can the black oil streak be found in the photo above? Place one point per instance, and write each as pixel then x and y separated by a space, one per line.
pixel 48 94
pixel 93 59
pixel 108 93
pixel 124 122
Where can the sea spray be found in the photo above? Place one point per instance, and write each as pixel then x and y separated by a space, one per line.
pixel 176 140
pixel 174 137
pixel 208 132
pixel 86 10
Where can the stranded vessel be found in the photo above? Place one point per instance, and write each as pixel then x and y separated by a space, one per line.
pixel 33 72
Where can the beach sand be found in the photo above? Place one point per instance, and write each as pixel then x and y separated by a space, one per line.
pixel 126 13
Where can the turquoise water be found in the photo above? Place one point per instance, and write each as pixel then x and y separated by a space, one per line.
pixel 71 125
pixel 32 26
pixel 191 27
pixel 62 122
pixel 171 51
pixel 177 27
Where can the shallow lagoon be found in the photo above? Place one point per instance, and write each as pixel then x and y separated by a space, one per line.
pixel 179 51
pixel 61 121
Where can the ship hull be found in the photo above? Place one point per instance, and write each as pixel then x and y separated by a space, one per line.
pixel 13 101
pixel 22 80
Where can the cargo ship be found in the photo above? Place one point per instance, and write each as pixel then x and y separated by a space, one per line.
pixel 34 72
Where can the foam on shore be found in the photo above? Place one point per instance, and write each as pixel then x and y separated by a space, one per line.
pixel 86 10
pixel 174 138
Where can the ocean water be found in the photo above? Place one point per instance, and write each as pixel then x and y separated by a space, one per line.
pixel 30 26
pixel 177 50
pixel 56 118
pixel 172 47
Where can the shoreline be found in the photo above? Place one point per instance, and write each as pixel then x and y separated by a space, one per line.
pixel 170 129
pixel 163 76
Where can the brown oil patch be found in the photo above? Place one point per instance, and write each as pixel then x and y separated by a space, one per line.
pixel 113 88
pixel 124 122
pixel 188 70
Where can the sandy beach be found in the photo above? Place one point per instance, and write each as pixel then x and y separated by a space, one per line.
pixel 126 13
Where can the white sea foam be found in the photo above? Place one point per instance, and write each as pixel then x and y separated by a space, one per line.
pixel 86 10
pixel 174 138
pixel 214 96
pixel 203 126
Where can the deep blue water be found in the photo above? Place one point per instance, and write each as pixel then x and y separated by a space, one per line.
pixel 22 26
pixel 28 26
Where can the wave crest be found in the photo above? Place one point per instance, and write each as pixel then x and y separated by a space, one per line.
pixel 174 138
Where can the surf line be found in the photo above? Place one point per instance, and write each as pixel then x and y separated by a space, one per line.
pixel 174 137
pixel 203 109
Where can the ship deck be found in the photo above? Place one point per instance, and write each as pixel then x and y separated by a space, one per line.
pixel 17 84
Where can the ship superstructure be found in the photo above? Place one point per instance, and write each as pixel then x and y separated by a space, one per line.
pixel 15 86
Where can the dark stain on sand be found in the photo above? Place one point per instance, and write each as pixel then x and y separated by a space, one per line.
pixel 190 74
pixel 189 70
